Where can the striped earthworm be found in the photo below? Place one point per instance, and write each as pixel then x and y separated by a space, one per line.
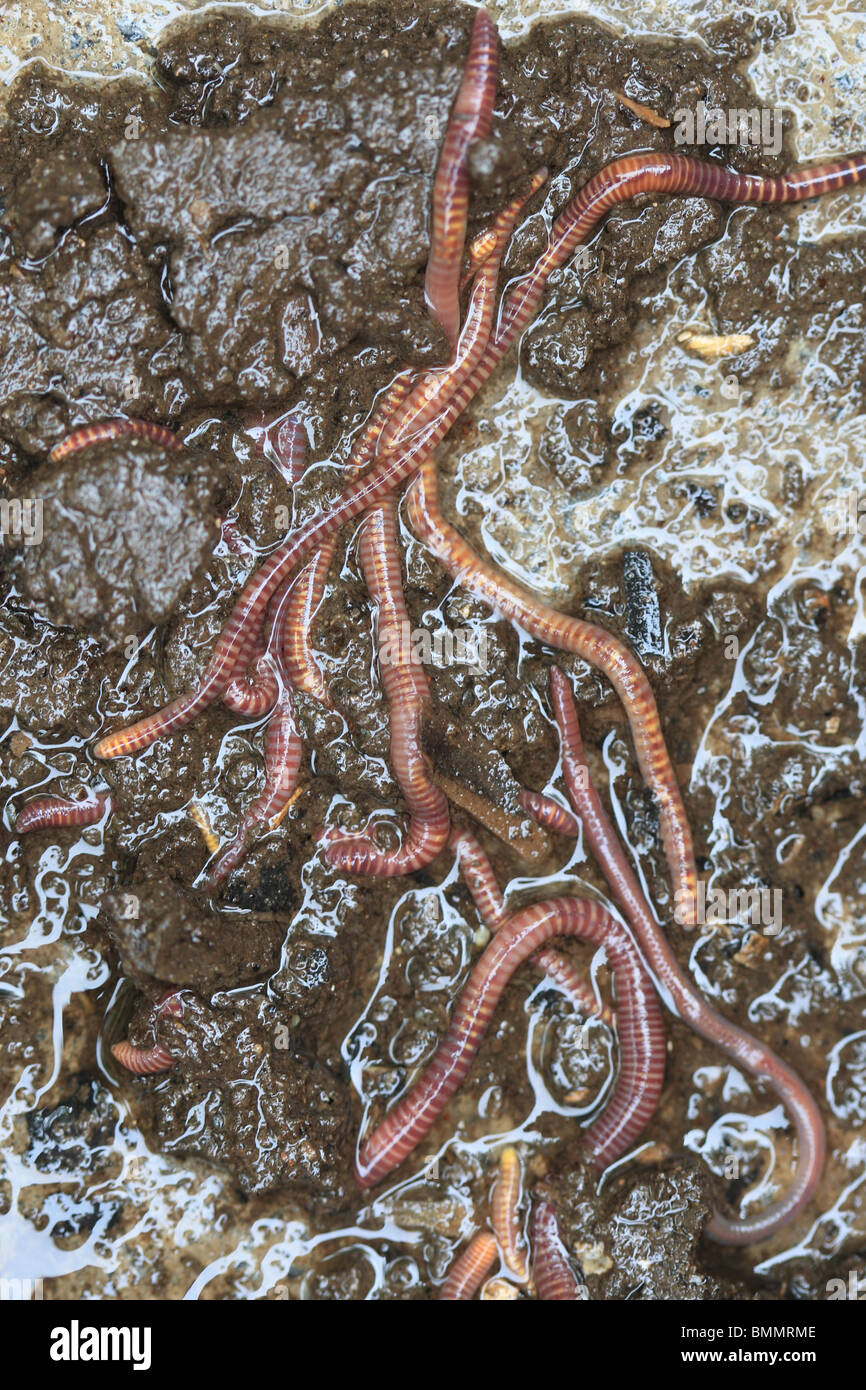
pixel 594 644
pixel 58 813
pixel 239 633
pixel 408 404
pixel 660 172
pixel 299 663
pixel 435 387
pixel 148 1061
pixel 477 872
pixel 255 692
pixel 470 1269
pixel 740 1046
pixel 549 813
pixel 238 636
pixel 407 695
pixel 288 453
pixel 283 749
pixel 505 1212
pixel 551 1269
pixel 641 1038
pixel 471 119
pixel 86 435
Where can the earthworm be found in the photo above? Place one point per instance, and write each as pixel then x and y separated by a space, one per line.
pixel 254 693
pixel 739 1045
pixel 86 435
pixel 641 1038
pixel 299 663
pixel 57 812
pixel 475 359
pixel 505 1212
pixel 480 879
pixel 434 387
pixel 407 694
pixel 471 119
pixel 148 1061
pixel 470 1269
pixel 551 1270
pixel 549 813
pixel 288 453
pixel 594 644
pixel 283 749
pixel 238 636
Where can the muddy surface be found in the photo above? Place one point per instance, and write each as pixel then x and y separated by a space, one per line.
pixel 248 233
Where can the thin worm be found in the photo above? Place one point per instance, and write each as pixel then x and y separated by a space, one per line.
pixel 407 695
pixel 288 455
pixel 471 119
pixel 238 636
pixel 255 692
pixel 283 750
pixel 594 644
pixel 740 1046
pixel 470 1269
pixel 549 813
pixel 86 435
pixel 480 879
pixel 505 1212
pixel 59 813
pixel 299 662
pixel 148 1061
pixel 641 1037
pixel 551 1269
pixel 433 388
pixel 479 352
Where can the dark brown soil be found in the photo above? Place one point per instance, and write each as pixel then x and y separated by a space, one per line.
pixel 250 233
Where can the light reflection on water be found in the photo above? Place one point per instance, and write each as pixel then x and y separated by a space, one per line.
pixel 143 1217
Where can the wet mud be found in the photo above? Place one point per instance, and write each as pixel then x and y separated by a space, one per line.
pixel 247 233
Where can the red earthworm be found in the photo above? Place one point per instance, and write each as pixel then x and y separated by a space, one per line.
pixel 471 119
pixel 57 813
pixel 147 1061
pixel 300 665
pixel 86 435
pixel 433 388
pixel 551 1269
pixel 255 692
pixel 549 813
pixel 477 873
pixel 505 1212
pixel 407 693
pixel 641 1037
pixel 594 644
pixel 621 179
pixel 288 453
pixel 739 1045
pixel 283 750
pixel 480 879
pixel 238 635
pixel 470 1269
pixel 660 172
pixel 236 543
